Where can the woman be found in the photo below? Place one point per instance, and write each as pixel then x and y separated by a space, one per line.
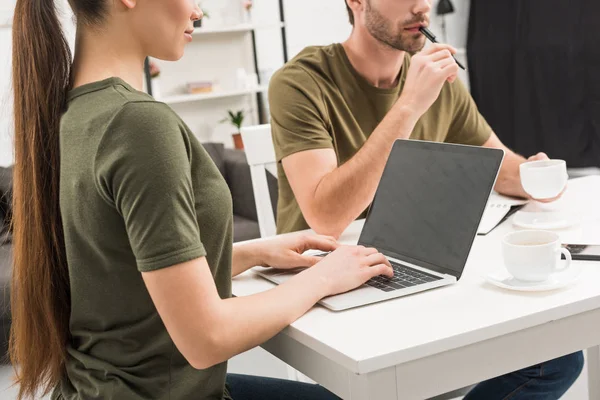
pixel 122 224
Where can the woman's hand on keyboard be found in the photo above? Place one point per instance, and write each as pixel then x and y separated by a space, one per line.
pixel 349 267
pixel 287 251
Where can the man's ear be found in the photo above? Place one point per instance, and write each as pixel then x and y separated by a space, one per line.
pixel 355 5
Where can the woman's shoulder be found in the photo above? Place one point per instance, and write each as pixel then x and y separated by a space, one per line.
pixel 140 112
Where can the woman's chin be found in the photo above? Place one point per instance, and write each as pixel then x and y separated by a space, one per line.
pixel 169 55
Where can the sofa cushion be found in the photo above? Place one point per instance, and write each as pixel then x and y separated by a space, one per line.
pixel 216 152
pixel 244 229
pixel 240 184
pixel 5 316
pixel 6 180
pixel 273 186
pixel 5 276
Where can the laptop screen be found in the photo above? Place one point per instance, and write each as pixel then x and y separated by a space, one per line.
pixel 429 203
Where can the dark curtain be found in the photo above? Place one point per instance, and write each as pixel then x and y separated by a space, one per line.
pixel 534 70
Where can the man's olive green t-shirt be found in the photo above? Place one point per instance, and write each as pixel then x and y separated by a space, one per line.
pixel 137 193
pixel 319 101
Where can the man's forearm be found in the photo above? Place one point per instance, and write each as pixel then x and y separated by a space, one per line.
pixel 509 177
pixel 343 194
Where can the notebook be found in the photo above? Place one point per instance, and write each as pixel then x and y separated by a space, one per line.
pixel 498 209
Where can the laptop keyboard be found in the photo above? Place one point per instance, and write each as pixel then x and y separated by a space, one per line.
pixel 403 277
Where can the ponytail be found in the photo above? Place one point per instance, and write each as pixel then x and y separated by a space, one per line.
pixel 40 295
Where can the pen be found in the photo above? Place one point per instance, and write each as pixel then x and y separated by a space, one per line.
pixel 431 37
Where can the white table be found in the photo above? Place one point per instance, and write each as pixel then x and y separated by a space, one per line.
pixel 434 342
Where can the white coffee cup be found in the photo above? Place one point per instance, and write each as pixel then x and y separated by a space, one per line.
pixel 544 179
pixel 533 255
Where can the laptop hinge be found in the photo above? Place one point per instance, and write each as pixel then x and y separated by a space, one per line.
pixel 419 263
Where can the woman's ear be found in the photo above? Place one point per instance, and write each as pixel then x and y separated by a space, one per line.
pixel 129 3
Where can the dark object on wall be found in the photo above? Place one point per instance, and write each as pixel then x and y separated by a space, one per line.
pixel 534 75
pixel 445 7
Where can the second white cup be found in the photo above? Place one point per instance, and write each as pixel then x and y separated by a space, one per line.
pixel 533 256
pixel 544 179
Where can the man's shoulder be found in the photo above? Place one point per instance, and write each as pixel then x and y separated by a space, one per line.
pixel 315 54
pixel 312 64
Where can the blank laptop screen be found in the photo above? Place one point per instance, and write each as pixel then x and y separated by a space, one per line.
pixel 429 203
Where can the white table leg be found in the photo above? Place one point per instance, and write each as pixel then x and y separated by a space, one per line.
pixel 295 375
pixel 380 385
pixel 593 368
pixel 292 374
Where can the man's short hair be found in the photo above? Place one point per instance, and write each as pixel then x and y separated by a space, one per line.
pixel 350 14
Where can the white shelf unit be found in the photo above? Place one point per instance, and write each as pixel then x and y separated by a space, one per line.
pixel 234 28
pixel 188 98
pixel 219 49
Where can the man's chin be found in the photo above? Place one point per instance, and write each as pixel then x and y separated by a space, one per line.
pixel 412 44
pixel 415 47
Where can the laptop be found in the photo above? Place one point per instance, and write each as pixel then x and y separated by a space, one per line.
pixel 424 219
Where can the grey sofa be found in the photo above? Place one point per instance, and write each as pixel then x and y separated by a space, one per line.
pixel 5 259
pixel 232 165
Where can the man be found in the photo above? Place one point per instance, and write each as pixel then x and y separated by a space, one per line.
pixel 336 112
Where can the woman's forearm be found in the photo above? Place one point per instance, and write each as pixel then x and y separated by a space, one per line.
pixel 245 256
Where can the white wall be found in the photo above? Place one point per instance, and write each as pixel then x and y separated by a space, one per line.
pixel 6 8
pixel 315 22
pixel 321 22
pixel 6 100
pixel 308 22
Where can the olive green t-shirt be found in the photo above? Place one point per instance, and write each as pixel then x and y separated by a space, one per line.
pixel 137 193
pixel 318 100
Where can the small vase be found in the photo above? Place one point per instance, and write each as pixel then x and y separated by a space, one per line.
pixel 247 17
pixel 155 82
pixel 237 141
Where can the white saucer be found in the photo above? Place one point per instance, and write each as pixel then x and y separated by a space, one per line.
pixel 544 220
pixel 503 279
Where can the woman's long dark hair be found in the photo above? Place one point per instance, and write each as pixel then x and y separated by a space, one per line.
pixel 40 294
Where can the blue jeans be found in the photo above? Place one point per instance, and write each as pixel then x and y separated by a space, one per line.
pixel 545 381
pixel 246 387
